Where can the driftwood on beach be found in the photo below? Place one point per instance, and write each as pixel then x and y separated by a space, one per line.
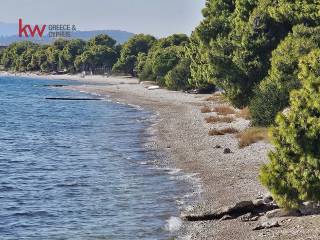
pixel 234 211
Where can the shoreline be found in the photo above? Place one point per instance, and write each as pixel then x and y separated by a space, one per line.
pixel 182 134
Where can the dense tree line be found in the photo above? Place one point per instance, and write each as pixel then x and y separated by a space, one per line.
pixel 293 173
pixel 63 55
pixel 244 47
pixel 262 53
pixel 248 48
pixel 265 54
pixel 163 61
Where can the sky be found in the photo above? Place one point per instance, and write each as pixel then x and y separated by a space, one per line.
pixel 157 17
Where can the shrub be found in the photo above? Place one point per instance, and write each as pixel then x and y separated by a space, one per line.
pixel 244 113
pixel 214 119
pixel 252 135
pixel 224 110
pixel 293 173
pixel 217 97
pixel 206 109
pixel 221 132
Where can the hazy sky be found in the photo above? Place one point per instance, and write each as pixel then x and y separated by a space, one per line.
pixel 157 17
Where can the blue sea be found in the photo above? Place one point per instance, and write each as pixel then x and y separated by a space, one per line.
pixel 79 169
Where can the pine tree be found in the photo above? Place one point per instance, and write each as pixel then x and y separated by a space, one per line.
pixel 293 173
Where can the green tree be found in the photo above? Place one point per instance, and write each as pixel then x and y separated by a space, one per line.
pixel 272 95
pixel 293 12
pixel 60 43
pixel 161 58
pixel 293 173
pixel 11 57
pixel 129 53
pixel 177 78
pixel 96 56
pixel 53 58
pixel 209 43
pixel 163 61
pixel 232 46
pixel 200 69
pixel 69 53
pixel 102 40
pixel 172 40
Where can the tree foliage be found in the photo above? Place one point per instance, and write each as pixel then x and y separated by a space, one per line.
pixel 177 78
pixel 70 55
pixel 272 95
pixel 163 59
pixel 129 53
pixel 96 56
pixel 232 46
pixel 293 173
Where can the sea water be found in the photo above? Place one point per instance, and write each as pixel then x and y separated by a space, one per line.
pixel 79 169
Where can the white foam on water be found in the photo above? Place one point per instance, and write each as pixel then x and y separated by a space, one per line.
pixel 174 171
pixel 192 179
pixel 173 224
pixel 187 237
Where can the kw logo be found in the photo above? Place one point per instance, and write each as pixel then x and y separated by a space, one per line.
pixel 27 29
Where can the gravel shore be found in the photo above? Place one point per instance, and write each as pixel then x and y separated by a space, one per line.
pixel 182 134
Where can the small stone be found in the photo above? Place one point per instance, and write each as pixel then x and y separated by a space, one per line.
pixel 226 151
pixel 217 146
pixel 258 202
pixel 225 217
pixel 246 217
pixel 267 199
pixel 249 217
pixel 267 225
pixel 309 208
pixel 282 213
pixel 274 213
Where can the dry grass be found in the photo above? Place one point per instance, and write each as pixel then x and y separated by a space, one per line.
pixel 217 132
pixel 218 97
pixel 214 119
pixel 206 109
pixel 252 135
pixel 244 113
pixel 224 110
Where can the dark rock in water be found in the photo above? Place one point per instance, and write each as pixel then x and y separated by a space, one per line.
pixel 73 99
pixel 55 85
pixel 267 225
pixel 227 151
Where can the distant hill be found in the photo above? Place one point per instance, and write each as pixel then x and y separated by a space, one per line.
pixel 8 34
